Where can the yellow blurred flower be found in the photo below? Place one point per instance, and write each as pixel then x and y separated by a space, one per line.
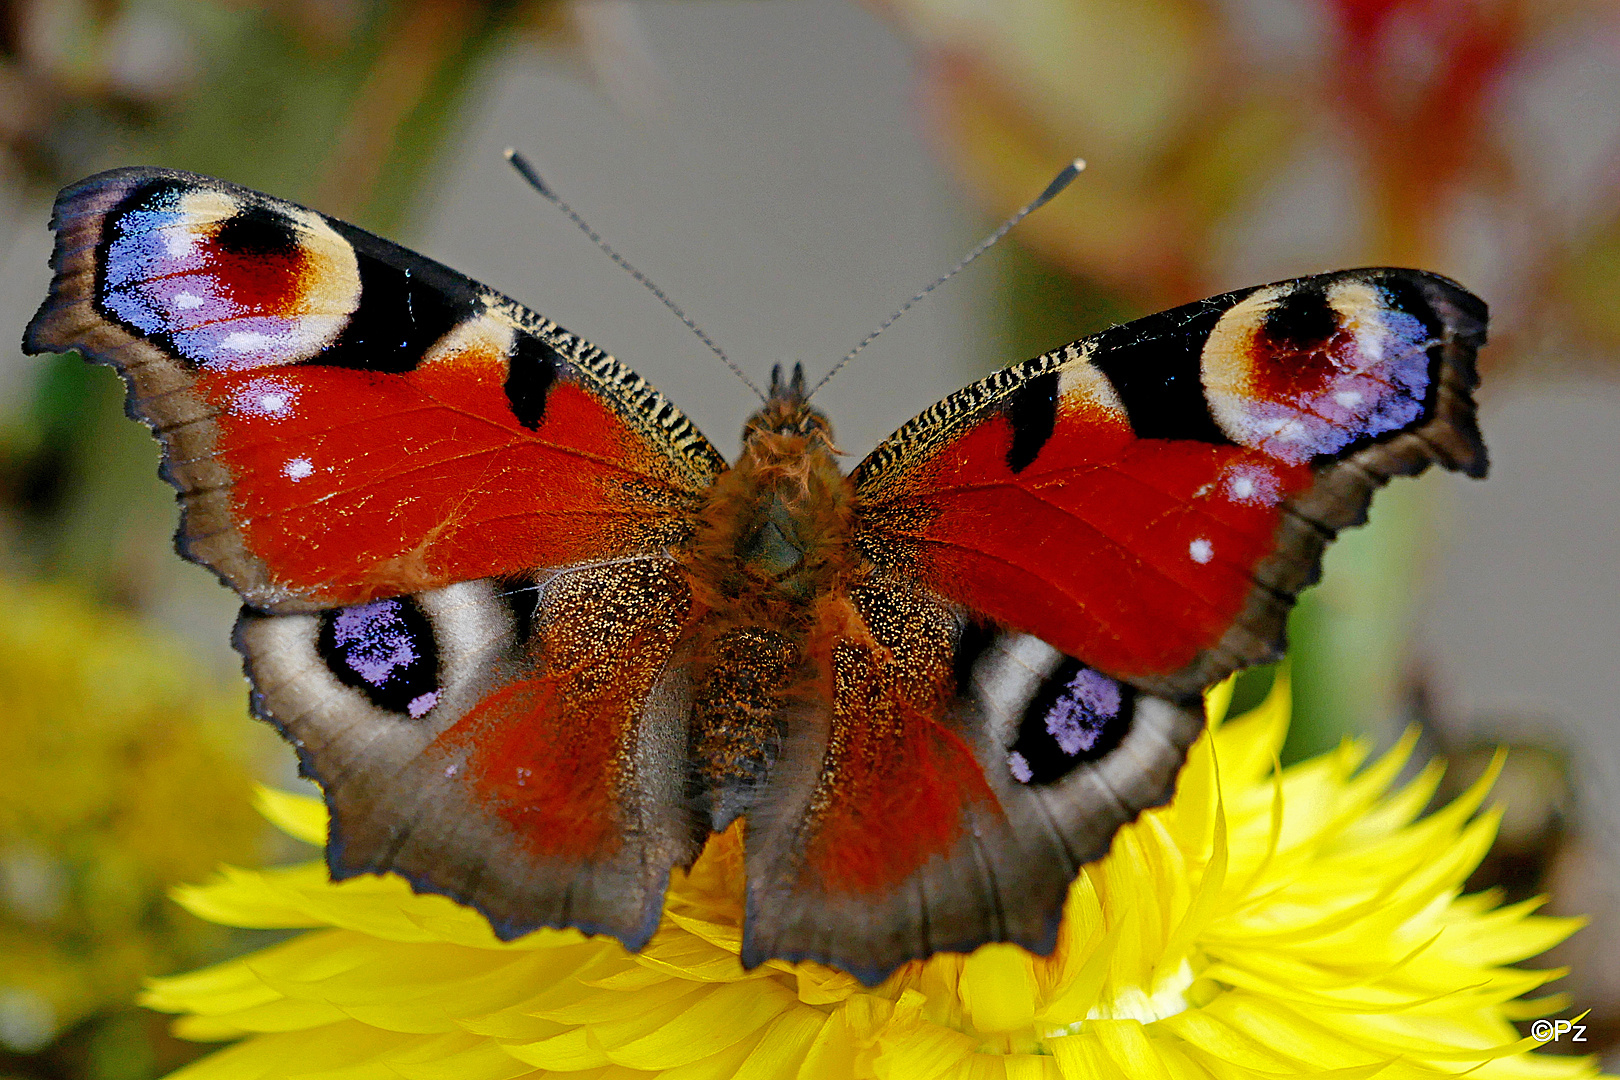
pixel 109 748
pixel 1265 923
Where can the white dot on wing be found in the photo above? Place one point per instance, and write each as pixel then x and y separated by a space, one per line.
pixel 298 468
pixel 264 398
pixel 245 340
pixel 1254 485
pixel 1201 550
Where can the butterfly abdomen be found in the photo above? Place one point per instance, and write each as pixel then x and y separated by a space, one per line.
pixel 770 551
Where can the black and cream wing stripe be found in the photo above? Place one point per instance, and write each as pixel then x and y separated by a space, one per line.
pixel 1156 368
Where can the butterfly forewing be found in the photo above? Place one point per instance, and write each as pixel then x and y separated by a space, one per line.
pixel 345 419
pixel 1150 499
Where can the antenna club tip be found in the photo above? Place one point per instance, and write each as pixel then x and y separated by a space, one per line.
pixel 525 170
pixel 1059 182
pixel 510 153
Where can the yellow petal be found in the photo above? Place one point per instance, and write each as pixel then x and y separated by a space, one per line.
pixel 784 1046
pixel 715 1019
pixel 571 1051
pixel 1081 1057
pixel 1127 1044
pixel 998 988
pixel 301 817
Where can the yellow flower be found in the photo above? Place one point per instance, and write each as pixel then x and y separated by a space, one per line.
pixel 108 745
pixel 1266 923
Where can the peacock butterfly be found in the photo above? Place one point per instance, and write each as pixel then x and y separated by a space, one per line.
pixel 536 639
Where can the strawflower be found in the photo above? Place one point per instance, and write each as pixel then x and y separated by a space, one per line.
pixel 1267 923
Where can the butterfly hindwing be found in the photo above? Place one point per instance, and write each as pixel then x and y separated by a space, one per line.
pixel 963 775
pixel 345 419
pixel 517 745
pixel 450 521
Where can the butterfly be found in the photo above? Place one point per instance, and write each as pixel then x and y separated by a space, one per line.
pixel 536 639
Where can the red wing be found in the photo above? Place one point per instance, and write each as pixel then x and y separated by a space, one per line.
pixel 345 419
pixel 1150 499
pixel 516 745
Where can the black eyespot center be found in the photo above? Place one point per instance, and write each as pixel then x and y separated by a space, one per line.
pixel 386 650
pixel 1078 715
pixel 257 231
pixel 1302 319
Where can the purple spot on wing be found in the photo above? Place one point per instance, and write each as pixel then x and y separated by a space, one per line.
pixel 422 703
pixel 1020 767
pixel 152 244
pixel 164 275
pixel 1377 382
pixel 1077 719
pixel 157 278
pixel 375 642
pixel 245 342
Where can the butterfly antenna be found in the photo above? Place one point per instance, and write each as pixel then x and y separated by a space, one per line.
pixel 1058 183
pixel 527 171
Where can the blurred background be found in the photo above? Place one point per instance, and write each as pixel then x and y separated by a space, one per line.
pixel 791 171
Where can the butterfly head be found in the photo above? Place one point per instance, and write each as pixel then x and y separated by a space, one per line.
pixel 787 411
